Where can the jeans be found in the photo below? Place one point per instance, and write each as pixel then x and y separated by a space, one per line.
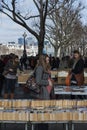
pixel 9 85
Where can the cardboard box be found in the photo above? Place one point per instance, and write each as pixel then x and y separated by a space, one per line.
pixel 54 74
pixel 23 78
pixel 61 80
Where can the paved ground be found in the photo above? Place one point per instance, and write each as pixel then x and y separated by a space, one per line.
pixel 19 94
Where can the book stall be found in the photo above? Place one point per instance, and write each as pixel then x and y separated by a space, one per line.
pixel 43 111
pixel 71 90
pixel 62 74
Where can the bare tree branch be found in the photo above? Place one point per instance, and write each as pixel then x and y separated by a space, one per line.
pixel 23 19
pixel 63 20
pixel 36 5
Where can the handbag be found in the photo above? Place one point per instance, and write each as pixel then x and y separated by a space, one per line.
pixel 32 85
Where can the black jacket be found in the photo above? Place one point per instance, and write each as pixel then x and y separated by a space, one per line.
pixel 79 67
pixel 10 65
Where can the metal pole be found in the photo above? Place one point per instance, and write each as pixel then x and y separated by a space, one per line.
pixel 66 126
pixel 24 46
pixel 72 126
pixel 24 51
pixel 32 127
pixel 26 126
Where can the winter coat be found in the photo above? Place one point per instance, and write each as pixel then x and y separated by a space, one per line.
pixel 42 79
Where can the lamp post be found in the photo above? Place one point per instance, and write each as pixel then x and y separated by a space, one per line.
pixel 24 51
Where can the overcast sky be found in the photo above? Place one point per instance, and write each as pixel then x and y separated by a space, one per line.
pixel 10 31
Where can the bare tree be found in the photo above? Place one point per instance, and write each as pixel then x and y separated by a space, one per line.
pixel 82 40
pixel 10 8
pixel 85 42
pixel 63 21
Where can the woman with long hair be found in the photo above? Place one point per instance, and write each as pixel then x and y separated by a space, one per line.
pixel 42 76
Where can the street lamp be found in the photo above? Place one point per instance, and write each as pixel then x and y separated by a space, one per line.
pixel 24 51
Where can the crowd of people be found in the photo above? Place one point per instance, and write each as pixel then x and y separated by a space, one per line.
pixel 42 66
pixel 56 63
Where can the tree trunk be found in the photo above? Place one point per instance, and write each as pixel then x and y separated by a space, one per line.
pixel 55 51
pixel 41 39
pixel 40 47
pixel 61 52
